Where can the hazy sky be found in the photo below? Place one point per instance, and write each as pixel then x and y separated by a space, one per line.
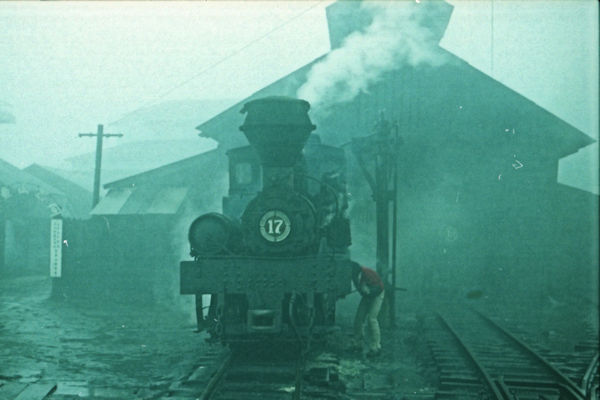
pixel 68 66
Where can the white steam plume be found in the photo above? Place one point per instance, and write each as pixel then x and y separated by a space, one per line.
pixel 397 35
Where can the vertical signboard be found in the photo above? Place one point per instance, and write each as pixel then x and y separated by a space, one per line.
pixel 56 247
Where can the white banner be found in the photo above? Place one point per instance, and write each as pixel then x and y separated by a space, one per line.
pixel 56 247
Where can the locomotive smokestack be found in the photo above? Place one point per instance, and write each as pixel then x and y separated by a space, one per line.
pixel 277 128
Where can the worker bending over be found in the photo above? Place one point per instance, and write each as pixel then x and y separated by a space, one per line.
pixel 370 286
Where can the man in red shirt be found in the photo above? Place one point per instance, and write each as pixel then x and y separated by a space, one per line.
pixel 370 286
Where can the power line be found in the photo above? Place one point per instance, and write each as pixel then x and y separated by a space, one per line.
pixel 492 40
pixel 216 63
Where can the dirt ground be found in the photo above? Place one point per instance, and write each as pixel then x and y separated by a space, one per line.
pixel 112 350
pixel 135 351
pixel 120 350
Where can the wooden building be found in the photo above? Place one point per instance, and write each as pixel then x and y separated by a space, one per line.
pixel 29 198
pixel 479 202
pixel 131 247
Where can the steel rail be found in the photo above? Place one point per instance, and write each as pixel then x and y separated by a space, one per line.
pixel 216 378
pixel 488 379
pixel 587 381
pixel 504 388
pixel 572 387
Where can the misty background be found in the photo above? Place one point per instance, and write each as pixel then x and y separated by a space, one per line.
pixel 154 71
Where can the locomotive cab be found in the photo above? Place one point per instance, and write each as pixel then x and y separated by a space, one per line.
pixel 245 180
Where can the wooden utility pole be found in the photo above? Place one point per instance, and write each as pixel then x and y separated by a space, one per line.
pixel 99 135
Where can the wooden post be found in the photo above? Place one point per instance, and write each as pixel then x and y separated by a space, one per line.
pixel 99 135
pixel 394 193
pixel 382 147
pixel 382 206
pixel 382 219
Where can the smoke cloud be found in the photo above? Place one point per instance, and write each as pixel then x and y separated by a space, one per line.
pixel 398 35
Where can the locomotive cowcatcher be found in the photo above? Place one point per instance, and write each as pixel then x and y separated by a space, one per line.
pixel 276 260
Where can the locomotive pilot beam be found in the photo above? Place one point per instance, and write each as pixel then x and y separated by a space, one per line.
pixel 267 289
pixel 276 261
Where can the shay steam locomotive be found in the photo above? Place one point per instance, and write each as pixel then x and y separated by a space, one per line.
pixel 276 261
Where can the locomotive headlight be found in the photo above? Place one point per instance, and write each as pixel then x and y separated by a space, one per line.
pixel 213 233
pixel 275 226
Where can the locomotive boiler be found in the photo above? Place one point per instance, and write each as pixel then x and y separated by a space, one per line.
pixel 276 260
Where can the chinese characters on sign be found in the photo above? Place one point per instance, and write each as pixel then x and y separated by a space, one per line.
pixel 56 247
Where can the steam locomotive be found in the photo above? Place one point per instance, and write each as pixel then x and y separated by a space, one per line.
pixel 276 260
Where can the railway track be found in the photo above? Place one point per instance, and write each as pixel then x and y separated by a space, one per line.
pixel 475 359
pixel 250 375
pixel 219 374
pixel 478 359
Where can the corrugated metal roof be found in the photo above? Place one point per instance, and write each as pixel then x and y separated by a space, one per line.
pixel 78 199
pixel 13 176
pixel 424 99
pixel 141 200
pixel 182 173
pixel 112 203
pixel 167 201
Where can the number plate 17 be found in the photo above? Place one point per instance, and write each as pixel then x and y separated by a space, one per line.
pixel 275 226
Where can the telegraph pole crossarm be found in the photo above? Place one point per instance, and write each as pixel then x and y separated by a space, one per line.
pixel 99 136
